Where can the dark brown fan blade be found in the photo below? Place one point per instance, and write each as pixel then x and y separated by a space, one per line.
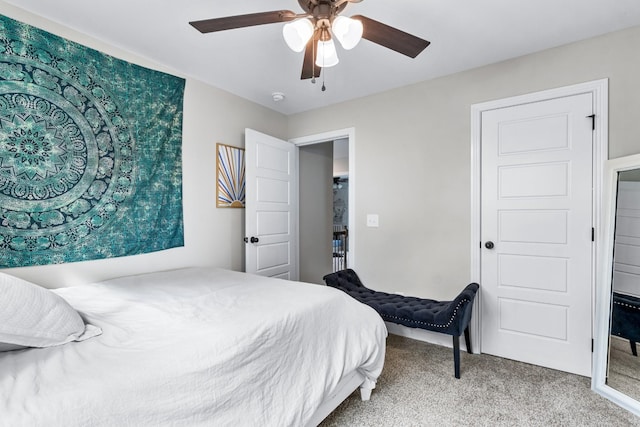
pixel 309 67
pixel 240 21
pixel 392 38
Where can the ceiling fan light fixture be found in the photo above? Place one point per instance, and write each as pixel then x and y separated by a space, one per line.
pixel 348 31
pixel 297 33
pixel 327 55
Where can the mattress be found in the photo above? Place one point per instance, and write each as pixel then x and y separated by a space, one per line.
pixel 197 346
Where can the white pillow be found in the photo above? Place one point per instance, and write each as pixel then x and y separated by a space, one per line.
pixel 32 316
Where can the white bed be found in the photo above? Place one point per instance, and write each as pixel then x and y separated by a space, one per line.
pixel 197 346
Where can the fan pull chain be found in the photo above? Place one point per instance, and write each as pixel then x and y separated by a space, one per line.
pixel 323 72
pixel 313 60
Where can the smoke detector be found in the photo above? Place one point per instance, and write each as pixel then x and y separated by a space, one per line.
pixel 277 96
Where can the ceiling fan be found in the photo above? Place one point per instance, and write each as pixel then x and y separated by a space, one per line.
pixel 312 32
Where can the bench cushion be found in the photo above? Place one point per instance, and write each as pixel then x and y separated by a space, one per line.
pixel 625 318
pixel 449 317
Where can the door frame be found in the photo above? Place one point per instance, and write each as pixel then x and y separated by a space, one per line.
pixel 600 92
pixel 350 134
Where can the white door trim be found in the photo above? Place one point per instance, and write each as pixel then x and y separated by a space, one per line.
pixel 350 134
pixel 600 92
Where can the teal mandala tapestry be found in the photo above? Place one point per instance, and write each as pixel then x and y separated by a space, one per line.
pixel 90 152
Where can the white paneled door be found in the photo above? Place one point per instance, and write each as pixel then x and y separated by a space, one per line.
pixel 271 206
pixel 536 259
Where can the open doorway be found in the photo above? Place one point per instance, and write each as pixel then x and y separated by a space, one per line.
pixel 340 188
pixel 321 260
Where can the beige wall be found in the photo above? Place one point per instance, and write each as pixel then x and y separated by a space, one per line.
pixel 212 236
pixel 316 211
pixel 412 162
pixel 413 155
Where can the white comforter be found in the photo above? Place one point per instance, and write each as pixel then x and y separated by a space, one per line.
pixel 194 347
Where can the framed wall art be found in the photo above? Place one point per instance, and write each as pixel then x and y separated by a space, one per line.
pixel 230 189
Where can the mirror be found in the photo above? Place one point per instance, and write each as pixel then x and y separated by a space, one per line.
pixel 624 366
pixel 616 373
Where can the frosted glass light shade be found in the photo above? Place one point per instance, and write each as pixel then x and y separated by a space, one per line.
pixel 297 33
pixel 348 31
pixel 327 55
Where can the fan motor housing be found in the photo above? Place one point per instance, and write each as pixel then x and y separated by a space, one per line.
pixel 322 9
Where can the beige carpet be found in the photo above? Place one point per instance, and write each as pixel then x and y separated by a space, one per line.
pixel 417 388
pixel 624 368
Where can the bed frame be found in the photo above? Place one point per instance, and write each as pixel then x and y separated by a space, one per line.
pixel 346 387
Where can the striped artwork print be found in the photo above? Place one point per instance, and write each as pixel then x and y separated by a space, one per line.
pixel 231 179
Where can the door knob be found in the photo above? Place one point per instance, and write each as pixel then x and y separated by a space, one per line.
pixel 489 245
pixel 254 239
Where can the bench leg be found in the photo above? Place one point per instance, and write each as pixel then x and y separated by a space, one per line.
pixel 634 351
pixel 467 340
pixel 456 355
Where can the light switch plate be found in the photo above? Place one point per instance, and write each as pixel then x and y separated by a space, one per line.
pixel 372 220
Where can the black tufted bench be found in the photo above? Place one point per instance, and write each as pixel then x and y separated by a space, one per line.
pixel 447 317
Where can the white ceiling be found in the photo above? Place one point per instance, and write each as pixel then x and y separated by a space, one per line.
pixel 255 62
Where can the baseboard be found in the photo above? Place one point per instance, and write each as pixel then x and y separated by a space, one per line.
pixel 424 335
